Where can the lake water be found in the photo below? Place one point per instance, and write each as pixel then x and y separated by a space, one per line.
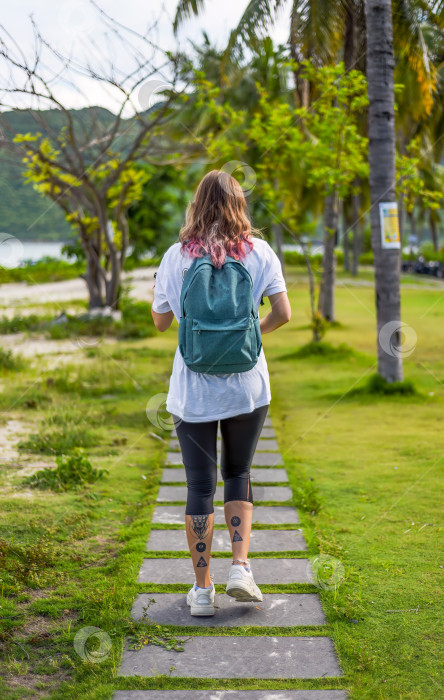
pixel 13 251
pixel 36 250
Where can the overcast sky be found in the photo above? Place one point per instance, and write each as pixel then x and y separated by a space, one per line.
pixel 74 25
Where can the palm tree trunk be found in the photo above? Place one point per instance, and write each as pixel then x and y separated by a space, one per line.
pixel 356 229
pixel 433 231
pixel 327 293
pixel 401 216
pixel 380 68
pixel 346 237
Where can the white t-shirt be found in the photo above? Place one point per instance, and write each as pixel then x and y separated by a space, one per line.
pixel 197 397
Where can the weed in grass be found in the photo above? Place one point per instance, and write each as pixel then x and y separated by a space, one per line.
pixel 20 324
pixel 29 564
pixel 71 472
pixel 10 362
pixel 378 385
pixel 307 496
pixel 142 633
pixel 58 440
pixel 322 349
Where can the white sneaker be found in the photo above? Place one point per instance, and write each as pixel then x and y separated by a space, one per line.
pixel 201 600
pixel 241 585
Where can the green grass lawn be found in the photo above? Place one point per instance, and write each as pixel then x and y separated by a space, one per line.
pixel 365 470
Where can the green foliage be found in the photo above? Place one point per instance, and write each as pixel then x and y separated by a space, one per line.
pixel 19 324
pixel 61 432
pixel 45 270
pixel 429 253
pixel 321 349
pixel 307 495
pixel 137 321
pixel 28 563
pixel 156 218
pixel 10 362
pixel 411 183
pixel 323 139
pixel 75 327
pixel 292 257
pixel 378 385
pixel 71 472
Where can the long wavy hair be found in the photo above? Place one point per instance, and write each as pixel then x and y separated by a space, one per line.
pixel 217 222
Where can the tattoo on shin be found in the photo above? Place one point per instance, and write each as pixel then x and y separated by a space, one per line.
pixel 235 521
pixel 237 537
pixel 201 546
pixel 201 562
pixel 199 526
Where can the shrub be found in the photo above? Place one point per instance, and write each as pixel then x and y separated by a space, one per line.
pixel 321 349
pixel 366 258
pixel 71 472
pixel 19 324
pixel 136 321
pixel 61 433
pixel 10 362
pixel 378 385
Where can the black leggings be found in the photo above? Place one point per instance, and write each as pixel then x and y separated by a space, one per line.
pixel 199 453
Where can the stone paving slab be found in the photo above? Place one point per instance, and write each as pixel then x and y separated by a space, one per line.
pixel 266 515
pixel 260 541
pixel 264 493
pixel 264 570
pixel 285 610
pixel 259 475
pixel 230 695
pixel 260 459
pixel 237 657
pixel 262 445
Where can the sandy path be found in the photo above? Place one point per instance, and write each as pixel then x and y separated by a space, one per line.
pixel 20 294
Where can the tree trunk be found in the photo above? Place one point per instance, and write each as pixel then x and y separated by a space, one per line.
pixel 93 281
pixel 94 274
pixel 401 217
pixel 327 292
pixel 356 229
pixel 434 231
pixel 346 238
pixel 412 222
pixel 113 282
pixel 278 238
pixel 380 78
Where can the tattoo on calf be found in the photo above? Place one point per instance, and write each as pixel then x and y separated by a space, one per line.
pixel 201 546
pixel 235 521
pixel 201 562
pixel 199 526
pixel 237 537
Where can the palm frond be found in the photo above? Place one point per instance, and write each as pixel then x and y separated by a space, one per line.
pixel 410 45
pixel 186 8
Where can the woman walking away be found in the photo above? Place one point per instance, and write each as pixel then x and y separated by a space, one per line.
pixel 212 281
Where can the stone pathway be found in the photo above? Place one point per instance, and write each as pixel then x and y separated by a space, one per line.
pixel 216 656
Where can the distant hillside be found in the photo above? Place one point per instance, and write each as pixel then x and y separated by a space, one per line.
pixel 23 212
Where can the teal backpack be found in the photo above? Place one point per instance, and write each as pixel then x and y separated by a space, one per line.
pixel 219 331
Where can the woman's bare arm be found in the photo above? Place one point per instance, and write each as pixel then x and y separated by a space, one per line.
pixel 280 313
pixel 162 321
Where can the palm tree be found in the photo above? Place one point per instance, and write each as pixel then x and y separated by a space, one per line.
pixel 381 126
pixel 320 29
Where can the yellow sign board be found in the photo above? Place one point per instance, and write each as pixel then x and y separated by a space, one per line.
pixel 388 215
